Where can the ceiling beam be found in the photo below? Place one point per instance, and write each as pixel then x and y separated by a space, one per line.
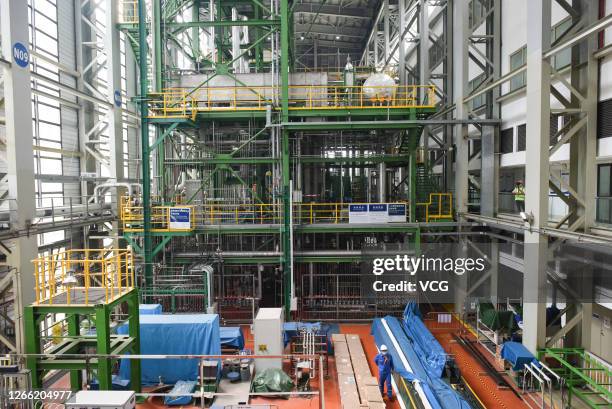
pixel 331 10
pixel 331 30
pixel 330 44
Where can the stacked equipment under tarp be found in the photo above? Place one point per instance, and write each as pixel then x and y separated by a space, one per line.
pixel 189 334
pixel 427 347
pixel 232 337
pixel 518 355
pixel 424 362
pixel 497 320
pixel 150 309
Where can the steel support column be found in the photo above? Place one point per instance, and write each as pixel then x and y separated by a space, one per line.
pixel 536 171
pixel 460 84
pixel 19 155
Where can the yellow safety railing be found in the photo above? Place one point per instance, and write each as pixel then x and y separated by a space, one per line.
pixel 183 103
pixel 128 11
pixel 439 206
pixel 83 277
pixel 249 213
pixel 132 217
pixel 172 104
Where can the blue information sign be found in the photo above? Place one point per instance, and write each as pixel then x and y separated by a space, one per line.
pixel 117 96
pixel 180 218
pixel 21 55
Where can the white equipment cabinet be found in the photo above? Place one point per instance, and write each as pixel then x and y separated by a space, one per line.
pixel 268 329
pixel 102 400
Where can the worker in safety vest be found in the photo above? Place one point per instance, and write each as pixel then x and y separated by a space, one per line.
pixel 519 195
pixel 384 361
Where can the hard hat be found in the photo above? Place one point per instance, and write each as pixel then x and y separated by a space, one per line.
pixel 383 347
pixel 519 181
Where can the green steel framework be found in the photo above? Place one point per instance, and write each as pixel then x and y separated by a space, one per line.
pixel 290 120
pixel 578 378
pixel 103 342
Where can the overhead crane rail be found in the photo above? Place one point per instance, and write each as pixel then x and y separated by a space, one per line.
pixel 181 103
pixel 439 207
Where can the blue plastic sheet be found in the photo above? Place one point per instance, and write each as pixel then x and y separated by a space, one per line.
pixel 180 387
pixel 426 346
pixel 438 393
pixel 232 337
pixel 517 355
pixel 118 384
pixel 292 329
pixel 150 309
pixel 174 335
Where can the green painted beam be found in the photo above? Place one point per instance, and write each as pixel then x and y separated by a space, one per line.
pixel 351 125
pixel 162 244
pixel 368 159
pixel 223 23
pixel 220 161
pixel 144 142
pixel 164 135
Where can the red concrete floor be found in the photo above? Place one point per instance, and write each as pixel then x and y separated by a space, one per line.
pixel 474 373
pixel 332 397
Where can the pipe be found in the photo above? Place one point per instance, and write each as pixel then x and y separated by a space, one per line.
pixel 324 253
pixel 104 186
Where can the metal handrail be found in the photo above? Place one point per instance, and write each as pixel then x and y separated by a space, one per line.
pixel 57 273
pixel 185 103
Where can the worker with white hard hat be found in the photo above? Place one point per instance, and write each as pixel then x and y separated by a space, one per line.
pixel 384 361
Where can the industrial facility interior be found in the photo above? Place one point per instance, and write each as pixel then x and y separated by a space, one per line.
pixel 271 204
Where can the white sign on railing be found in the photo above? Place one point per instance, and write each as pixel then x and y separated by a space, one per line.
pixel 180 218
pixel 377 213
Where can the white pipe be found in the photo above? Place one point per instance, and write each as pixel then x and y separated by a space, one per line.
pixel 129 186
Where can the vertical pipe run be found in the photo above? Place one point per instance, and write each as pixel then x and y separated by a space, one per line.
pixel 144 142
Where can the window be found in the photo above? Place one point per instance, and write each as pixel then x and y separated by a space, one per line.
pixel 507 140
pixel 481 99
pixel 604 119
pixel 46 115
pixel 521 133
pixel 562 58
pixel 604 193
pixel 554 128
pixel 517 60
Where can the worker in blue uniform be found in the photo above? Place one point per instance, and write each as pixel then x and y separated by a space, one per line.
pixel 384 361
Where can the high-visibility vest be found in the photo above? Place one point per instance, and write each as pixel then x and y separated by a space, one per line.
pixel 519 194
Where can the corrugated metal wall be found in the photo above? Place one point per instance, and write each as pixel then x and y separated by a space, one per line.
pixel 69 115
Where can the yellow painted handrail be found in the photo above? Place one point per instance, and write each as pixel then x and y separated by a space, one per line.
pixel 185 103
pixel 82 275
pixel 249 213
pixel 439 206
pixel 128 11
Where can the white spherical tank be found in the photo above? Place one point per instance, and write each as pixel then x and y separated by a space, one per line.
pixel 379 87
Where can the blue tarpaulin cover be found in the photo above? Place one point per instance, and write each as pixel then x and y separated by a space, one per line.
pixel 292 329
pixel 427 347
pixel 150 309
pixel 517 355
pixel 232 337
pixel 174 335
pixel 439 394
pixel 180 387
pixel 118 384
